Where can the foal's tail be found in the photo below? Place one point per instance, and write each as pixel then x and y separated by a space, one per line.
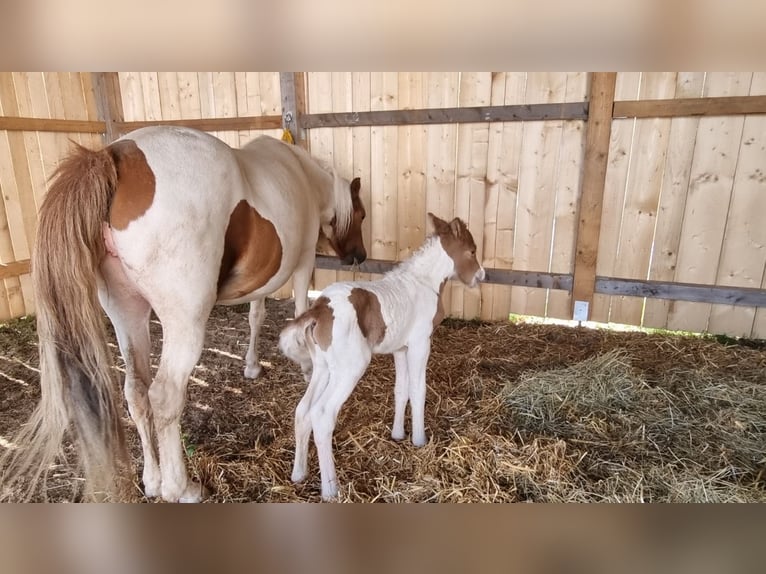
pixel 76 380
pixel 296 339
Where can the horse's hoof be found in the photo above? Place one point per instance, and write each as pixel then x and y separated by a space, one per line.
pixel 252 372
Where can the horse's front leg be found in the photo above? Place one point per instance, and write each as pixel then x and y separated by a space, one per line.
pixel 301 280
pixel 256 316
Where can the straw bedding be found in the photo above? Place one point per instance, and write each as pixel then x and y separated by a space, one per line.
pixel 514 412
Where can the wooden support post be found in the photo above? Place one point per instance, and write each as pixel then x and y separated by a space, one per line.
pixel 293 87
pixel 598 131
pixel 109 100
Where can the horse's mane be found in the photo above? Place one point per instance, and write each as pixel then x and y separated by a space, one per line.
pixel 343 205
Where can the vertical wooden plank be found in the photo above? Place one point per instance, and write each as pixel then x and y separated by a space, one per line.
pixel 568 187
pixel 362 153
pixel 618 161
pixel 293 89
pixel 707 205
pixel 510 160
pixel 170 102
pixel 132 96
pixel 150 92
pixel 440 167
pixel 471 185
pixel 384 94
pixel 642 193
pixel 109 102
pixel 321 141
pixel 743 257
pixel 494 146
pixel 189 98
pixel 225 102
pixel 411 201
pixel 31 139
pixel 597 146
pixel 16 238
pixel 675 185
pixel 271 98
pixel 758 88
pixel 342 143
pixel 536 200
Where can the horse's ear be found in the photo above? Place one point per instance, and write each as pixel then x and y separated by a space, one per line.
pixel 356 185
pixel 439 225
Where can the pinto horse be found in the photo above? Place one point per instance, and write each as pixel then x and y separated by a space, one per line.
pixel 171 220
pixel 351 321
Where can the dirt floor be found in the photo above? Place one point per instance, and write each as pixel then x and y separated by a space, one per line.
pixel 514 412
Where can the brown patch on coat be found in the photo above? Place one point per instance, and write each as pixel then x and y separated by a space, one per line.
pixel 252 253
pixel 323 317
pixel 368 314
pixel 136 184
pixel 439 315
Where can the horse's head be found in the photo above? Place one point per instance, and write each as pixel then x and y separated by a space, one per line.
pixel 346 239
pixel 458 243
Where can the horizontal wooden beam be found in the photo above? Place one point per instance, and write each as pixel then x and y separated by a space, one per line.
pixel 725 106
pixel 14 269
pixel 494 276
pixel 741 296
pixel 530 112
pixel 23 124
pixel 209 124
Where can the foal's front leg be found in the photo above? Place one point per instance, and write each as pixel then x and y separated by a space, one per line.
pixel 417 359
pixel 401 394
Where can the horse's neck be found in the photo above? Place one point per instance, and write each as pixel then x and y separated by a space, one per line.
pixel 430 264
pixel 322 182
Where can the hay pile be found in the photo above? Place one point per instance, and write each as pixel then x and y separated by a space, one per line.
pixel 513 413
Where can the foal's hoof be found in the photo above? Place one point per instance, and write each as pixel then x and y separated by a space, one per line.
pixel 194 492
pixel 252 372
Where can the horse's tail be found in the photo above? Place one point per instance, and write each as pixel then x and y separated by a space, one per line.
pixel 77 384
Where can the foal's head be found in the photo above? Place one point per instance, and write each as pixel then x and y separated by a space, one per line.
pixel 458 243
pixel 346 238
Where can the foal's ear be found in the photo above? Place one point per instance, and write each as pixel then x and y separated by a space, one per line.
pixel 356 184
pixel 457 227
pixel 439 225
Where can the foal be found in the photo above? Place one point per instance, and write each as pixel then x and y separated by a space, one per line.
pixel 352 320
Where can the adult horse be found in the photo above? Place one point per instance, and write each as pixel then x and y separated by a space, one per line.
pixel 174 220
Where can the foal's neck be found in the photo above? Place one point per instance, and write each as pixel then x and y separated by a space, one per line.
pixel 430 264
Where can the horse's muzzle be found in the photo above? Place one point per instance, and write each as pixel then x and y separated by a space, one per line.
pixel 355 258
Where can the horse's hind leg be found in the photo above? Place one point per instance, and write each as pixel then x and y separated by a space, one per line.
pixel 129 313
pixel 184 335
pixel 256 316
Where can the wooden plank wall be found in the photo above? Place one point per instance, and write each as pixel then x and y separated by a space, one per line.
pixel 27 160
pixel 685 201
pixel 684 197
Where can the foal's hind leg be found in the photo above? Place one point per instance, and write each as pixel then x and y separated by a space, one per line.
pixel 184 335
pixel 129 313
pixel 319 380
pixel 324 415
pixel 255 317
